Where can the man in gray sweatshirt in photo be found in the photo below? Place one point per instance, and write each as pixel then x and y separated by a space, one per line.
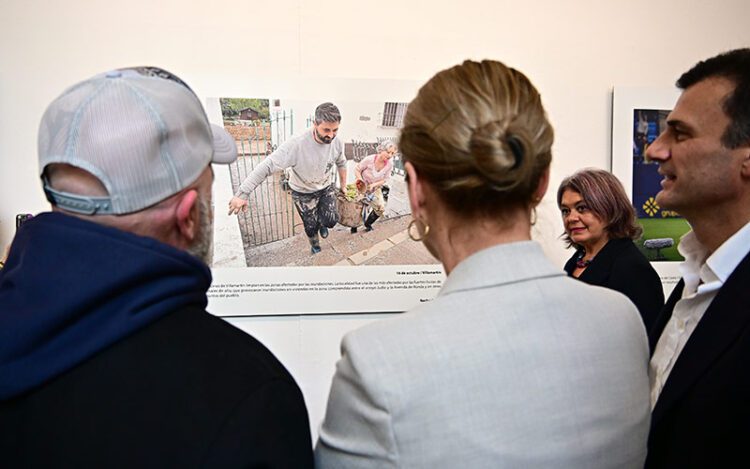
pixel 310 157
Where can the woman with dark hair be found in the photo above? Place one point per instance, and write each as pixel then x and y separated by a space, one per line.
pixel 512 364
pixel 601 224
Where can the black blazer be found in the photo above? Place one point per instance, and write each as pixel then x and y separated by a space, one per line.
pixel 189 390
pixel 702 417
pixel 622 267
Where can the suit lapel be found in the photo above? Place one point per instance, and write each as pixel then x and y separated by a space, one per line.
pixel 724 320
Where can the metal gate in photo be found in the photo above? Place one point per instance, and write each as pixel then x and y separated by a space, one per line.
pixel 271 215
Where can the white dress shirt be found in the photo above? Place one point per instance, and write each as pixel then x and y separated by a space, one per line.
pixel 704 275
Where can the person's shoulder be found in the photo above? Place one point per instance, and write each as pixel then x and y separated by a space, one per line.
pixel 338 145
pixel 207 340
pixel 296 140
pixel 367 159
pixel 607 315
pixel 292 144
pixel 630 257
pixel 392 335
pixel 382 350
pixel 596 294
pixel 597 301
pixel 629 247
pixel 263 408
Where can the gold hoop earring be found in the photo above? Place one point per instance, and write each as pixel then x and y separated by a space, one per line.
pixel 412 224
pixel 533 216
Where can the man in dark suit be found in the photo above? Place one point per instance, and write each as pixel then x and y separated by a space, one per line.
pixel 700 364
pixel 108 357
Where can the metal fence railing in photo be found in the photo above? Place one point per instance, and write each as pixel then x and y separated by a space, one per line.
pixel 270 215
pixel 362 149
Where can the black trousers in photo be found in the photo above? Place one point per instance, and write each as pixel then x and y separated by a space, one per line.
pixel 317 209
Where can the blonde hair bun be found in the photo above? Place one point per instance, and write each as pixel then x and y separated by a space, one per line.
pixel 479 134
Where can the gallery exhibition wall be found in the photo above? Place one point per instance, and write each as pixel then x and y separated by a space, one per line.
pixel 576 53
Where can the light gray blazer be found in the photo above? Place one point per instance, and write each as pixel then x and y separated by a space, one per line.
pixel 514 364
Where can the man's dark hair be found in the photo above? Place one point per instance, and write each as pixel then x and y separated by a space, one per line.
pixel 734 66
pixel 327 112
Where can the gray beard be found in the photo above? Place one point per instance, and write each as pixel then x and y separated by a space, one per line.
pixel 203 245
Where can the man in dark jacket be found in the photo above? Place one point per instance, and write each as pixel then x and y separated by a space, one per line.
pixel 107 355
pixel 700 379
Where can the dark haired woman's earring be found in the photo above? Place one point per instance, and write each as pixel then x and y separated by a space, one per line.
pixel 414 229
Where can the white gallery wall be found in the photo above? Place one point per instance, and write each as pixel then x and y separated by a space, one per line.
pixel 574 51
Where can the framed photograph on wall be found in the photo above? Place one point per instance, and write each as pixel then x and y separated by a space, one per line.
pixel 263 263
pixel 638 117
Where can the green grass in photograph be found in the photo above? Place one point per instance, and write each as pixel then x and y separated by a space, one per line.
pixel 663 228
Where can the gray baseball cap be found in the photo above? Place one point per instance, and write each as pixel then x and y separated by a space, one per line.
pixel 141 131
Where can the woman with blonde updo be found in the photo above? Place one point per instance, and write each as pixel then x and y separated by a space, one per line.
pixel 513 364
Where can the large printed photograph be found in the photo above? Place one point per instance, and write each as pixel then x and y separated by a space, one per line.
pixel 346 206
pixel 314 216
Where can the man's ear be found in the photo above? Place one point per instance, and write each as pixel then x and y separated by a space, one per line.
pixel 187 214
pixel 415 188
pixel 746 163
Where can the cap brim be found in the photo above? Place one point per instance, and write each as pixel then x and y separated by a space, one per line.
pixel 225 149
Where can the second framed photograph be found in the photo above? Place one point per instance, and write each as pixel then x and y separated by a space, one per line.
pixel 639 116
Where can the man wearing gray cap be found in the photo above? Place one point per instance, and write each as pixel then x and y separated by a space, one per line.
pixel 107 354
